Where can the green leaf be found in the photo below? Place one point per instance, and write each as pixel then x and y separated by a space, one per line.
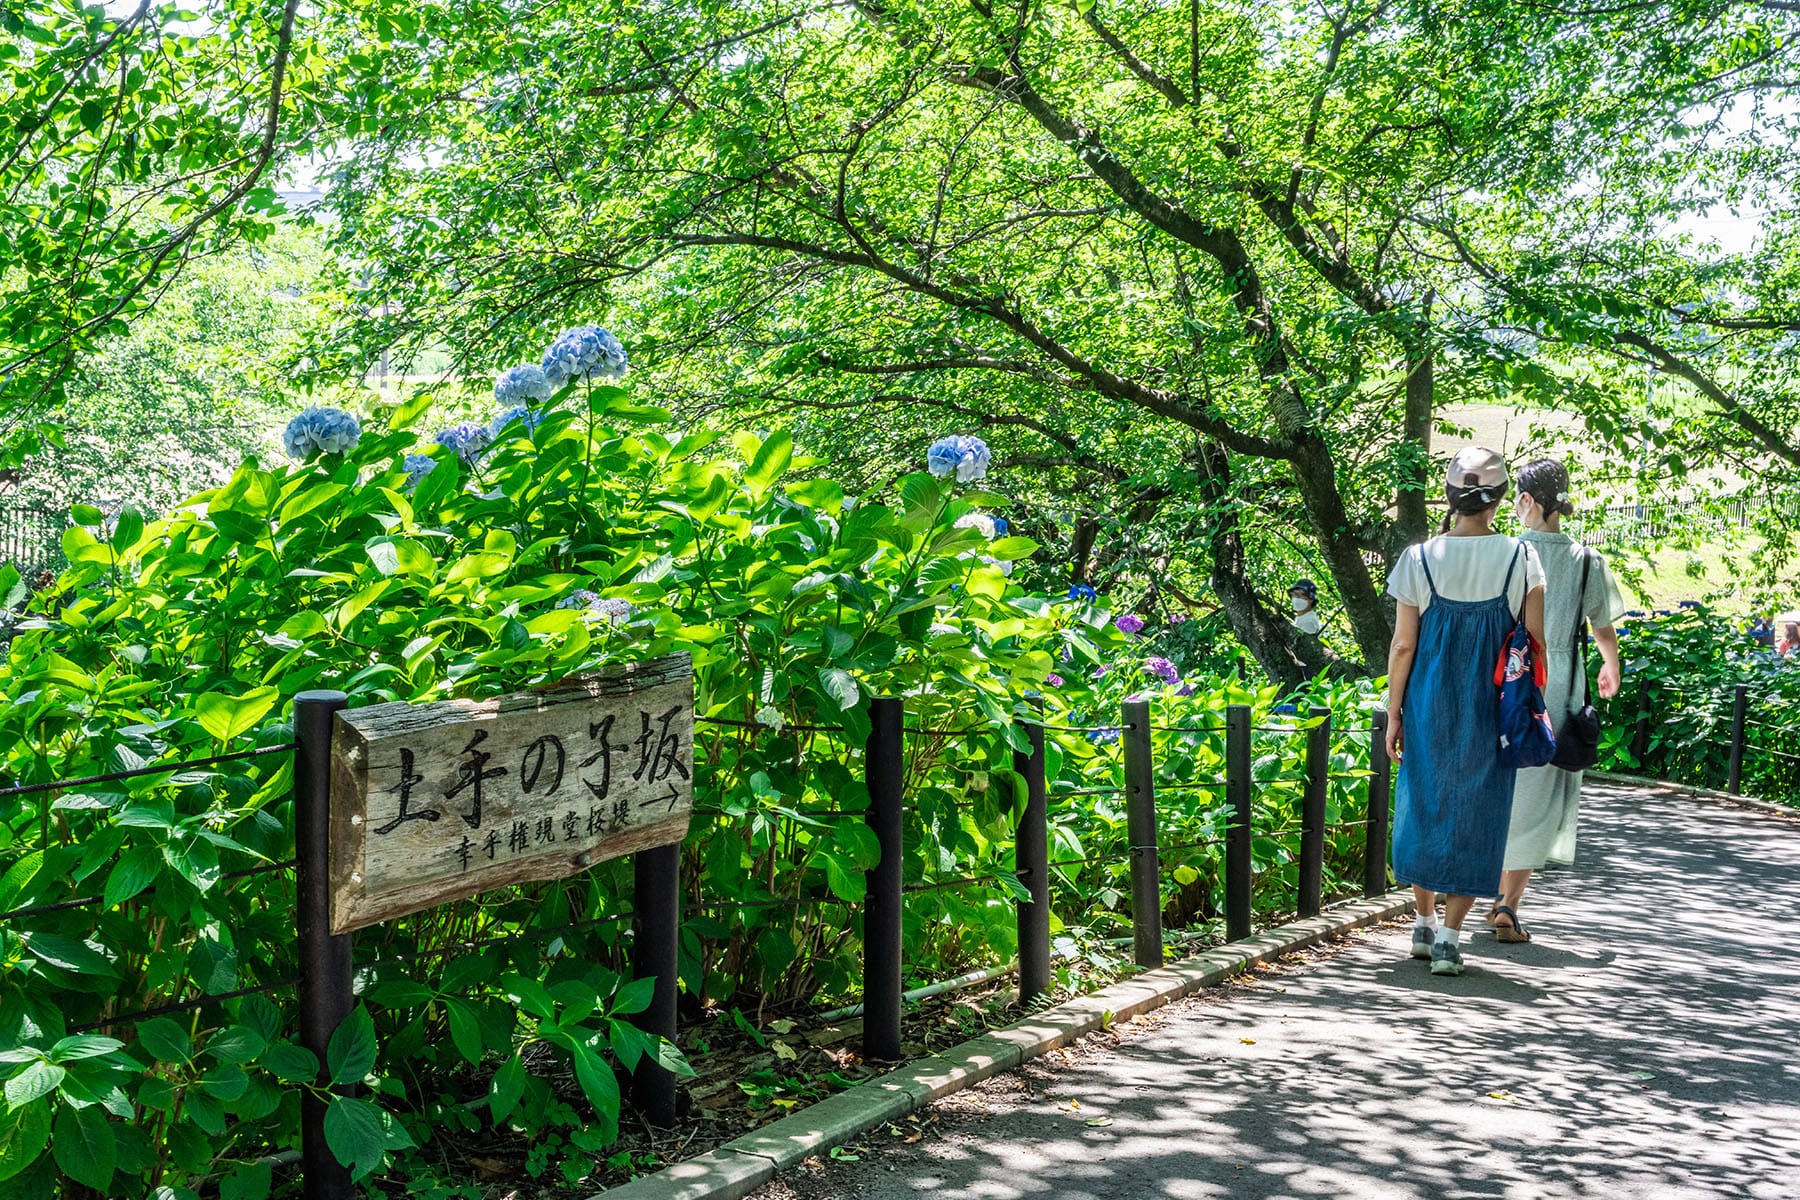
pixel 465 1030
pixel 290 1063
pixel 71 954
pixel 845 881
pixel 166 1040
pixel 353 1131
pixel 238 1045
pixel 1011 549
pixel 226 717
pixel 36 1080
pixel 250 1181
pixel 351 1054
pixel 633 997
pixel 507 1087
pixel 597 1082
pixel 127 529
pixel 83 1045
pixel 18 877
pixel 840 685
pixel 772 458
pixel 858 842
pixel 83 1144
pixel 24 1132
pixel 133 873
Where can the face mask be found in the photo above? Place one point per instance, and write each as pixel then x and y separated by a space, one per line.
pixel 1299 603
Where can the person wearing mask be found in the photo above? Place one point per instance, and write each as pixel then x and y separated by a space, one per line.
pixel 1546 799
pixel 1303 598
pixel 1458 597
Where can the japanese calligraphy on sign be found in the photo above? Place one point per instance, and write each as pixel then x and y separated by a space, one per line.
pixel 435 802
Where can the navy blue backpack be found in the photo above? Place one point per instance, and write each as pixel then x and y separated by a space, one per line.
pixel 1527 738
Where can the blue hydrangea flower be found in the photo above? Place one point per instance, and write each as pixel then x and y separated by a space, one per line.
pixel 1082 591
pixel 467 439
pixel 586 352
pixel 1001 528
pixel 531 418
pixel 320 430
pixel 1101 737
pixel 1286 710
pixel 417 467
pixel 522 385
pixel 965 457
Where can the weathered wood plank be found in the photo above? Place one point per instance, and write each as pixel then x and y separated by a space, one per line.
pixel 435 802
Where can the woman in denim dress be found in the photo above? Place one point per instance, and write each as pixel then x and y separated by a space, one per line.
pixel 1458 596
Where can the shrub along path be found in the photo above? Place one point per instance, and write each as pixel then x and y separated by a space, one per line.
pixel 1643 1046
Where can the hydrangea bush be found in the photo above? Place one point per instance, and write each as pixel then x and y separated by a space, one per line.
pixel 596 534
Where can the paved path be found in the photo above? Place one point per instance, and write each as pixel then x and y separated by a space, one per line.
pixel 1647 1045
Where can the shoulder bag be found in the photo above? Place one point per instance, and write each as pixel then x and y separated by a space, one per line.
pixel 1527 738
pixel 1578 741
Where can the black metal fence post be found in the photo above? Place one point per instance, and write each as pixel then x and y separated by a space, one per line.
pixel 325 992
pixel 1375 829
pixel 1237 839
pixel 1031 857
pixel 1140 828
pixel 1740 708
pixel 656 954
pixel 1312 813
pixel 885 768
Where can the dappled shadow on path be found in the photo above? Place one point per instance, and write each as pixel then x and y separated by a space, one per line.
pixel 1645 1046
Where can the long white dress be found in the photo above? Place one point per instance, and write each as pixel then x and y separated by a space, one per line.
pixel 1547 800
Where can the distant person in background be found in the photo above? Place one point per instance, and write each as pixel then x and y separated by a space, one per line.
pixel 1547 799
pixel 1303 598
pixel 1789 641
pixel 1459 596
pixel 1762 632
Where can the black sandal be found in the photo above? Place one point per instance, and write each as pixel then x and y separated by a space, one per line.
pixel 1513 933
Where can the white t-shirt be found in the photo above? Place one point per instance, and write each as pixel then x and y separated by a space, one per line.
pixel 1465 568
pixel 1308 621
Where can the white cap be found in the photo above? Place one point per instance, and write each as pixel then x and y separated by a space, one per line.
pixel 1476 467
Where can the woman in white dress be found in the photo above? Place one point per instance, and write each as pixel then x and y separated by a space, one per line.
pixel 1546 800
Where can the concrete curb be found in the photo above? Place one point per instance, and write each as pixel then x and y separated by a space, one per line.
pixel 1698 793
pixel 739 1167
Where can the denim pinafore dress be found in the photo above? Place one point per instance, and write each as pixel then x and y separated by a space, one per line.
pixel 1454 799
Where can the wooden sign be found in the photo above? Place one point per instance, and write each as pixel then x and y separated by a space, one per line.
pixel 435 802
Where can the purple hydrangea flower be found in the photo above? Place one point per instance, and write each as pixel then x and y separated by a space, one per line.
pixel 1179 618
pixel 1163 669
pixel 1053 679
pixel 1130 624
pixel 1186 689
pixel 618 612
pixel 1101 670
pixel 320 430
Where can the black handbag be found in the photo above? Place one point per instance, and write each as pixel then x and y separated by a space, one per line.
pixel 1578 741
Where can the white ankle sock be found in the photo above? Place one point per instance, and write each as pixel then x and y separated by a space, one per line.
pixel 1428 920
pixel 1448 936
